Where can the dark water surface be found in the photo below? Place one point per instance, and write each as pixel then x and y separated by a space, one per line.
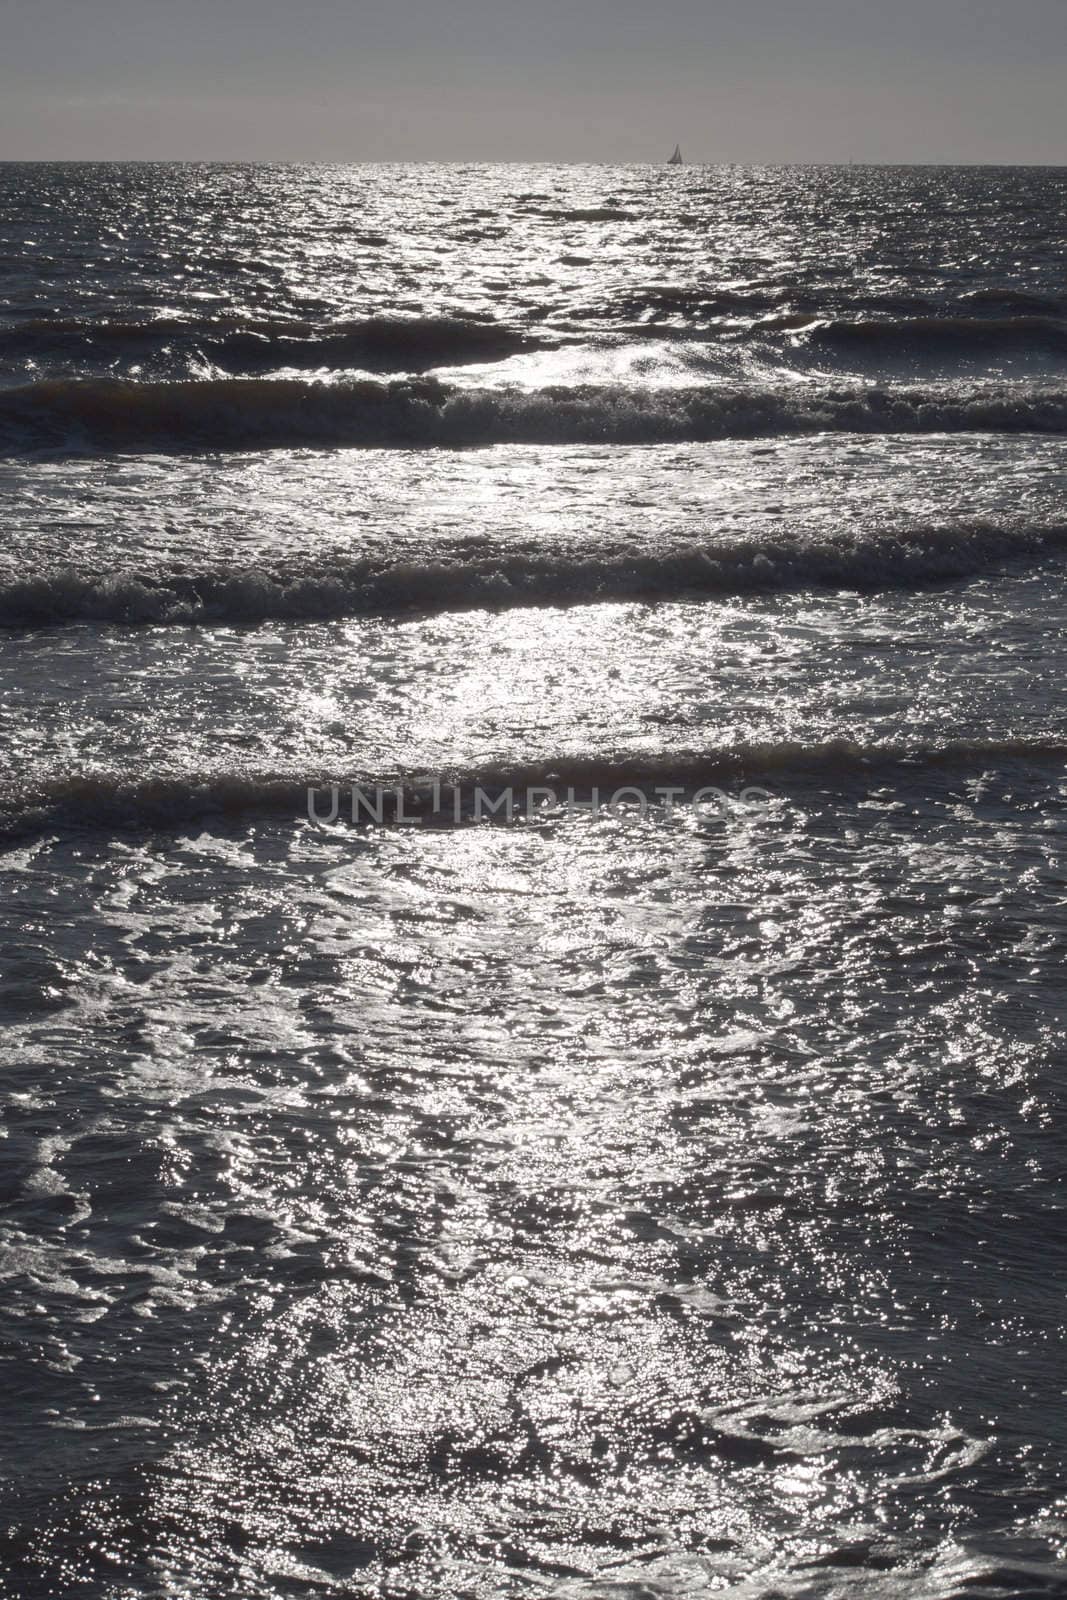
pixel 642 1196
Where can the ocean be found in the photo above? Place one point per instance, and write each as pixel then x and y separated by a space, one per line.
pixel 534 905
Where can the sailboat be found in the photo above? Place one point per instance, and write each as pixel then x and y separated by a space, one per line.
pixel 676 159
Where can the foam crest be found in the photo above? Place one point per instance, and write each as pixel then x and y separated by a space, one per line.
pixel 861 559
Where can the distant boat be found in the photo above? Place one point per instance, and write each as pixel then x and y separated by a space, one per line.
pixel 676 159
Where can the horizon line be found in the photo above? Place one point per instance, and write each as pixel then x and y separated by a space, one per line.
pixel 510 161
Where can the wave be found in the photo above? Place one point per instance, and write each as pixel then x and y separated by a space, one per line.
pixel 106 799
pixel 925 336
pixel 697 303
pixel 868 559
pixel 1027 301
pixel 931 340
pixel 218 414
pixel 245 345
pixel 591 214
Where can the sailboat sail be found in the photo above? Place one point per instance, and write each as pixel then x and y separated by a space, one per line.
pixel 676 159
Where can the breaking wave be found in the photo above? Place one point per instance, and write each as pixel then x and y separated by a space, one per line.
pixel 73 414
pixel 100 799
pixel 864 559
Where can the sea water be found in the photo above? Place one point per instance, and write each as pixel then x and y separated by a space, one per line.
pixel 598 1192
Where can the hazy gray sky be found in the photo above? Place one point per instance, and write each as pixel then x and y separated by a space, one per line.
pixel 584 80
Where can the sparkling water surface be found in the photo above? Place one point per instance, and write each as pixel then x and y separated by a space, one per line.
pixel 631 1198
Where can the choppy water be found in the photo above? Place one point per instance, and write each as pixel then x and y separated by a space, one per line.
pixel 633 1198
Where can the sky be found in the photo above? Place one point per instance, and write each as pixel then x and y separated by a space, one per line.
pixel 534 80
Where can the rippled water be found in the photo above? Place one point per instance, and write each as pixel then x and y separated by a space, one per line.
pixel 627 1197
